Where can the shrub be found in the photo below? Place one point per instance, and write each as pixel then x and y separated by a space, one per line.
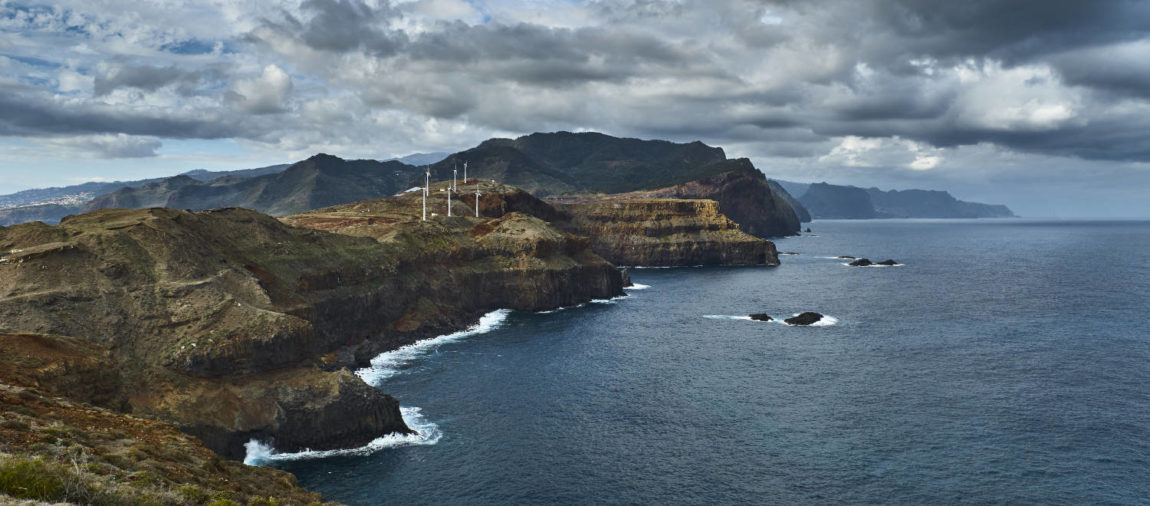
pixel 31 479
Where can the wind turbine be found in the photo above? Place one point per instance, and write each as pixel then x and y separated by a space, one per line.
pixel 476 193
pixel 465 172
pixel 449 202
pixel 454 173
pixel 426 183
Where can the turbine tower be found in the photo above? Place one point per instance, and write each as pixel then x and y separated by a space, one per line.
pixel 449 202
pixel 465 172
pixel 476 193
pixel 426 183
pixel 454 175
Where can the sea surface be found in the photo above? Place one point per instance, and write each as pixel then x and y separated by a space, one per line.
pixel 1006 361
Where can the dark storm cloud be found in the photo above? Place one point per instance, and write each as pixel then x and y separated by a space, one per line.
pixel 342 26
pixel 152 78
pixel 24 113
pixel 1057 77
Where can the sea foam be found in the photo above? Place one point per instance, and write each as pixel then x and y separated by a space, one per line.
pixel 637 286
pixel 825 321
pixel 427 433
pixel 389 364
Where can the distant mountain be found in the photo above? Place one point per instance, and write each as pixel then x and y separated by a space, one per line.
pixel 48 213
pixel 829 201
pixel 208 175
pixel 49 205
pixel 931 204
pixel 86 191
pixel 420 159
pixel 560 163
pixel 320 181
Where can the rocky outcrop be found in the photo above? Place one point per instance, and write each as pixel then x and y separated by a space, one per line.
pixel 744 195
pixel 58 445
pixel 762 317
pixel 666 232
pixel 803 319
pixel 232 324
pixel 861 262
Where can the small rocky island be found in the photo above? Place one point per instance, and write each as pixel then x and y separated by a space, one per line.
pixel 804 319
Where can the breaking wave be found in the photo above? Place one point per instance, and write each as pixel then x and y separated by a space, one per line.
pixel 427 433
pixel 389 363
pixel 826 321
pixel 637 286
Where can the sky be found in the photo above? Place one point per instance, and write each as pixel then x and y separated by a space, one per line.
pixel 1043 105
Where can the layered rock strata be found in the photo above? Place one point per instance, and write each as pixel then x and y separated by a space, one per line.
pixel 666 232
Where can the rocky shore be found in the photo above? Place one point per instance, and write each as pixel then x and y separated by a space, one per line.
pixel 231 325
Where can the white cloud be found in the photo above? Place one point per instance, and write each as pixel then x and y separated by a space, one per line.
pixel 1028 98
pixel 265 94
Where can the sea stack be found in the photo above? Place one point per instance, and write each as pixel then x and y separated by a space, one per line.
pixel 803 319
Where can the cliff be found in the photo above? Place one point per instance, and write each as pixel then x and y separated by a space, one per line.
pixel 744 195
pixel 666 232
pixel 233 325
pixel 57 448
pixel 801 211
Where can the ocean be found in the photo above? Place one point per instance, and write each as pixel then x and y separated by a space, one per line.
pixel 1005 361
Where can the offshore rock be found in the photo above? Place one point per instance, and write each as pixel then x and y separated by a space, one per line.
pixel 807 318
pixel 888 262
pixel 862 262
pixel 762 317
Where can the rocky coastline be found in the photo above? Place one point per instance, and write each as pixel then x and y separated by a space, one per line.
pixel 231 325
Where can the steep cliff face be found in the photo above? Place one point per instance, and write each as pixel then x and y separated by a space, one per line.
pixel 233 325
pixel 800 211
pixel 666 232
pixel 744 195
pixel 50 387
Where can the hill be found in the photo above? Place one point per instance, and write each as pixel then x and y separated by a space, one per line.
pixel 565 164
pixel 320 181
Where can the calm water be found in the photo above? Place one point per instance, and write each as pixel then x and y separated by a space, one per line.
pixel 1007 361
